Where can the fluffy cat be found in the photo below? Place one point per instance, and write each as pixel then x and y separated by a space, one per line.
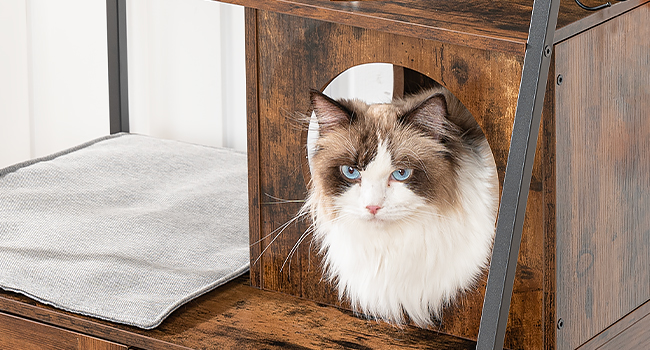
pixel 403 199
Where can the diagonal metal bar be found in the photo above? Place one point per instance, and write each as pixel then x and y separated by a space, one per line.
pixel 516 184
pixel 118 88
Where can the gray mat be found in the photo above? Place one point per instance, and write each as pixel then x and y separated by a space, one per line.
pixel 125 228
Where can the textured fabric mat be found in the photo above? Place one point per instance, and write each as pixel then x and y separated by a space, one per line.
pixel 125 228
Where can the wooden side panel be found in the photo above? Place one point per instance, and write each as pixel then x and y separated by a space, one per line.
pixel 603 176
pixel 18 333
pixel 635 337
pixel 296 54
pixel 630 332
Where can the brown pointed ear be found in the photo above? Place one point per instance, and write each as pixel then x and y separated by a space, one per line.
pixel 430 116
pixel 329 112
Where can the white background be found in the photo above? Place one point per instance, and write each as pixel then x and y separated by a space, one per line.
pixel 186 74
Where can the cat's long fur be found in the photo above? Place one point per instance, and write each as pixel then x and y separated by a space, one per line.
pixel 432 237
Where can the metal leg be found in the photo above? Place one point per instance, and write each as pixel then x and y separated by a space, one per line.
pixel 118 89
pixel 496 304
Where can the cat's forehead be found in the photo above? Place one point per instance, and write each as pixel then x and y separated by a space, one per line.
pixel 383 113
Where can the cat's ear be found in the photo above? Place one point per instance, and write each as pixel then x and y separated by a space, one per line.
pixel 329 112
pixel 430 115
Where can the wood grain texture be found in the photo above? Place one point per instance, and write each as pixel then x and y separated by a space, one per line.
pixel 252 132
pixel 603 176
pixel 235 316
pixel 548 158
pixel 564 32
pixel 492 25
pixel 630 332
pixel 496 25
pixel 20 305
pixel 296 54
pixel 18 333
pixel 635 337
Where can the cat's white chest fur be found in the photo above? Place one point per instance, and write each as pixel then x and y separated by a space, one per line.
pixel 408 257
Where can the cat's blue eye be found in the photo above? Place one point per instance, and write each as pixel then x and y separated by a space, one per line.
pixel 350 173
pixel 402 174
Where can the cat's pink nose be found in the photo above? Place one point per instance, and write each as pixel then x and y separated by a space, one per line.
pixel 373 209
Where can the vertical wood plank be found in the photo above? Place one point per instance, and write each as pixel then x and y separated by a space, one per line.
pixel 253 145
pixel 549 192
pixel 603 172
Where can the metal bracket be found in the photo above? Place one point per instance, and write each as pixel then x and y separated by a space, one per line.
pixel 516 184
pixel 118 87
pixel 593 8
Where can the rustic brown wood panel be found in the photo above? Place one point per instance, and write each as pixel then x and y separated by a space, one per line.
pixel 633 338
pixel 253 147
pixel 90 343
pixel 484 24
pixel 576 27
pixel 496 25
pixel 18 333
pixel 295 54
pixel 16 304
pixel 603 176
pixel 547 157
pixel 238 316
pixel 630 332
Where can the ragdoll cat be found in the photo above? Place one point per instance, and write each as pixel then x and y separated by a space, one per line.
pixel 403 198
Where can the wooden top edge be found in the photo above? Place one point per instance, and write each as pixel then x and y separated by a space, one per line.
pixel 457 28
pixel 595 18
pixel 496 26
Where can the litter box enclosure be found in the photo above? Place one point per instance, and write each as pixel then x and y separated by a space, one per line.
pixel 584 263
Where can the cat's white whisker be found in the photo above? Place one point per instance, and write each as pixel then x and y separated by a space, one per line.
pixel 281 228
pixel 281 200
pixel 294 249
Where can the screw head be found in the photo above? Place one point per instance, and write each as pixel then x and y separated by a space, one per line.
pixel 560 79
pixel 547 51
pixel 560 323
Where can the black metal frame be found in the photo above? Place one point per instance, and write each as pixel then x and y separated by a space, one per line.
pixel 118 87
pixel 516 184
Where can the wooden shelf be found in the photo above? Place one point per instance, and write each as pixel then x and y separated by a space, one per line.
pixel 237 315
pixel 483 24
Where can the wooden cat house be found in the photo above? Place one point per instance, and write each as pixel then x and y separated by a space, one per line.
pixel 577 273
pixel 582 278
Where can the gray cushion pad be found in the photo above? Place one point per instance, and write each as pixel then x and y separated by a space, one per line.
pixel 125 228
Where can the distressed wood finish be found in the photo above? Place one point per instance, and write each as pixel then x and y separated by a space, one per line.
pixel 493 25
pixel 18 333
pixel 235 316
pixel 630 332
pixel 253 139
pixel 548 159
pixel 603 176
pixel 295 54
pixel 566 29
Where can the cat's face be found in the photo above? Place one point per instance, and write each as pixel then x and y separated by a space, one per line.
pixel 383 163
